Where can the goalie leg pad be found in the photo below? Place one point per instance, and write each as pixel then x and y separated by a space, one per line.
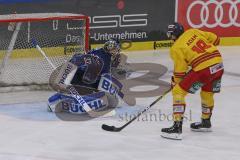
pixel 62 102
pixel 62 76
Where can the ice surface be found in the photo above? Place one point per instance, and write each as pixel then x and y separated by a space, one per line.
pixel 29 132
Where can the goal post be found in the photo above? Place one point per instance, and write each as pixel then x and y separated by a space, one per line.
pixel 60 35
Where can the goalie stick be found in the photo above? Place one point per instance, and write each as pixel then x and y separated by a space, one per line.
pixel 118 129
pixel 74 92
pixel 43 53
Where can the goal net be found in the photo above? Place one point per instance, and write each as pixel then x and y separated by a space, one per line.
pixel 60 35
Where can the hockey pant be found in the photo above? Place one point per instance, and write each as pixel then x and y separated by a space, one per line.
pixel 209 80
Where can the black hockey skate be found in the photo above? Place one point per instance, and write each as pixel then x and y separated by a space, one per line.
pixel 203 126
pixel 174 132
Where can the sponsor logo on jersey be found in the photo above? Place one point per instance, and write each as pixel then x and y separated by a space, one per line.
pixel 109 87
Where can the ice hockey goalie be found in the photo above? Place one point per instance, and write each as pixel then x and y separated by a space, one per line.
pixel 91 75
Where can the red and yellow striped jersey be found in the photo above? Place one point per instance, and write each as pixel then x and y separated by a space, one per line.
pixel 196 49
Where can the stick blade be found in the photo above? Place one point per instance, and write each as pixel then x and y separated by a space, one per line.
pixel 110 128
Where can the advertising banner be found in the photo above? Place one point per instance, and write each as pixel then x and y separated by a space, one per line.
pixel 219 16
pixel 133 20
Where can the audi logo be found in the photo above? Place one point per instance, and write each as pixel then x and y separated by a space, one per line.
pixel 218 12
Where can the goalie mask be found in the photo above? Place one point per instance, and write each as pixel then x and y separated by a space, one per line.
pixel 112 46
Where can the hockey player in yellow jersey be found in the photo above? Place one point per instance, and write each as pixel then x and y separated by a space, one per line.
pixel 197 65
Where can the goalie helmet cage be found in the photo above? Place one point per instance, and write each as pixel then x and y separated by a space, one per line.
pixel 60 35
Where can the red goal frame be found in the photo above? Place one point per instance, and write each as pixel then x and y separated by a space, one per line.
pixel 15 18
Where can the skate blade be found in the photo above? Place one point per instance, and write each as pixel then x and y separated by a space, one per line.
pixel 173 136
pixel 202 130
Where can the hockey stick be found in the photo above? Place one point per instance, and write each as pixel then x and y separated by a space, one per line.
pixel 43 53
pixel 118 129
pixel 74 92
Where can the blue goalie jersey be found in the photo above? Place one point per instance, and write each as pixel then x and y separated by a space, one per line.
pixel 90 67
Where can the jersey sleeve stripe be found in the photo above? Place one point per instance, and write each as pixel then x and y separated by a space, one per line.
pixel 204 56
pixel 217 41
pixel 199 60
pixel 203 60
pixel 179 74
